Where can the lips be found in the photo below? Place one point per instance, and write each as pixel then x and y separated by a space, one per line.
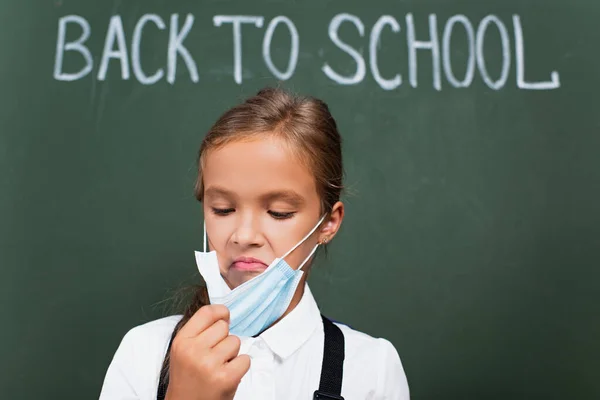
pixel 249 264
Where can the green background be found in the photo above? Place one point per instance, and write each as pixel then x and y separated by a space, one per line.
pixel 472 236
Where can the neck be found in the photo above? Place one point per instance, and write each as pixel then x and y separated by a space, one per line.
pixel 295 299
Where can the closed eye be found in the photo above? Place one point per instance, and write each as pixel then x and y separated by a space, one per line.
pixel 222 211
pixel 281 215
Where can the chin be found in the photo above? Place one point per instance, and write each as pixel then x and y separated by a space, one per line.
pixel 237 278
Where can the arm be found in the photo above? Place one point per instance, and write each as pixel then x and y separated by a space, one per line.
pixel 118 384
pixel 392 383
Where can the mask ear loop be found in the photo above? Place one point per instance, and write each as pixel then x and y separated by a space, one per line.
pixel 304 239
pixel 204 241
pixel 308 258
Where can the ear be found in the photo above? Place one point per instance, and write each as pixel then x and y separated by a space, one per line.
pixel 332 223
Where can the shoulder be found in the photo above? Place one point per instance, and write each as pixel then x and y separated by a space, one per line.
pixel 136 364
pixel 151 338
pixel 158 330
pixel 374 362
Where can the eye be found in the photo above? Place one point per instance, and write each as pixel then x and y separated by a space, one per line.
pixel 281 215
pixel 222 211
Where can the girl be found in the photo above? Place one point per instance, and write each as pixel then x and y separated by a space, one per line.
pixel 269 179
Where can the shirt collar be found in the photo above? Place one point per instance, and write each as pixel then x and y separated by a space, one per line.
pixel 293 330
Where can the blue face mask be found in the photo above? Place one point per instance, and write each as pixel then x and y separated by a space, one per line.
pixel 257 303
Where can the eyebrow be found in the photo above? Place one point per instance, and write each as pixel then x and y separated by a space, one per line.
pixel 216 191
pixel 288 196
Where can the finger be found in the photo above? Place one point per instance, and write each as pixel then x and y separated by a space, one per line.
pixel 214 334
pixel 237 367
pixel 203 318
pixel 227 349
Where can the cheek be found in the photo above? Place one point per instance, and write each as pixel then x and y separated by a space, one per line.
pixel 297 257
pixel 284 236
pixel 218 232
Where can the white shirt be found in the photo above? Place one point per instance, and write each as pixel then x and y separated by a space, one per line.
pixel 286 361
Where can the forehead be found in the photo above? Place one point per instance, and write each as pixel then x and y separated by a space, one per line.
pixel 257 166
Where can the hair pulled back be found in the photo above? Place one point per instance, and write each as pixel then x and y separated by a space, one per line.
pixel 304 123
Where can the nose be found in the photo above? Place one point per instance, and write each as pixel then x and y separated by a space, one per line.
pixel 247 232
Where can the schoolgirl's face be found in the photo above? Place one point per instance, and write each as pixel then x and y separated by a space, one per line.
pixel 259 201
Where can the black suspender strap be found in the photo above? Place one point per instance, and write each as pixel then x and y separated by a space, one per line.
pixel 163 382
pixel 332 370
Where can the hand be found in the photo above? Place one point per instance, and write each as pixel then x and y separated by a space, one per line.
pixel 204 361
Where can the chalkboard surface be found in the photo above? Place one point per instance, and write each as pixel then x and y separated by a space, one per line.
pixel 472 141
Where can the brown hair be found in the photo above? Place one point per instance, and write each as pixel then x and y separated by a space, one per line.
pixel 309 129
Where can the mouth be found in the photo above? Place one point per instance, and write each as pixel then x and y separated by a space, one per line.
pixel 248 264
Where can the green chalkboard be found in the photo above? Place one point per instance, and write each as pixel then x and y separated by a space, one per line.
pixel 472 141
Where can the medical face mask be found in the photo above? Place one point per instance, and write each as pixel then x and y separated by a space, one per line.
pixel 257 303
